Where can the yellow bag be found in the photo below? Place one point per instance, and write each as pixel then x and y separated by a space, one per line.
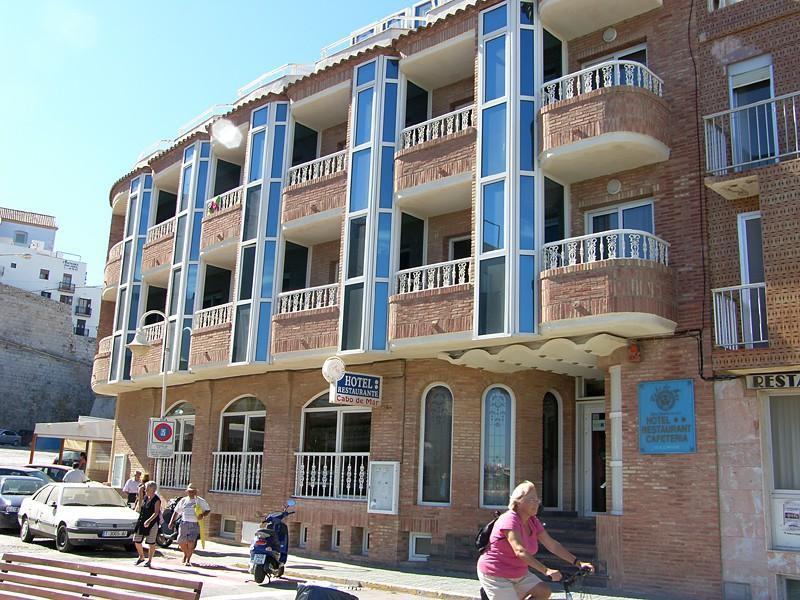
pixel 201 523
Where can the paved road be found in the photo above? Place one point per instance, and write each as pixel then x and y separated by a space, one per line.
pixel 18 457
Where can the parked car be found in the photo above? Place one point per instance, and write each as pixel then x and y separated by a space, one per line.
pixel 8 436
pixel 54 472
pixel 77 514
pixel 26 472
pixel 13 490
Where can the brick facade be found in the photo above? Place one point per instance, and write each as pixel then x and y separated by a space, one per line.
pixel 431 312
pixel 220 227
pixel 316 196
pixel 111 272
pixel 210 346
pixel 307 330
pixel 158 253
pixel 435 160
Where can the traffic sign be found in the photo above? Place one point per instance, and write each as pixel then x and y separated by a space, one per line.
pixel 161 438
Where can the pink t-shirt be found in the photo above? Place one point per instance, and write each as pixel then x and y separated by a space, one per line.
pixel 499 559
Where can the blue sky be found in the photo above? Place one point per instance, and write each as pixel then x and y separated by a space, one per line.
pixel 87 85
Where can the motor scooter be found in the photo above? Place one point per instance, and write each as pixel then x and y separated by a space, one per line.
pixel 166 534
pixel 269 549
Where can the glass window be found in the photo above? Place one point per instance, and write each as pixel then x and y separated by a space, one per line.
pixel 358 240
pixel 280 112
pixel 526 13
pixel 390 112
pixel 274 208
pixel 188 154
pixel 493 140
pixel 144 213
pixel 252 202
pixel 133 314
pixel 123 298
pixel 380 317
pixel 129 226
pixel 554 214
pixel 494 19
pixel 268 270
pixel 784 412
pixel 20 238
pixel 384 244
pixel 126 261
pixel 492 306
pixel 392 68
pixel 493 216
pixel 359 180
pixel 351 321
pixel 387 177
pixel 277 151
pixel 241 333
pixel 134 185
pixel 497 419
pixel 202 181
pixel 527 137
pixel 191 289
pixel 180 236
pixel 186 184
pixel 197 228
pixel 174 290
pixel 232 433
pixel 526 61
pixel 551 57
pixel 527 213
pixel 527 291
pixel 364 116
pixel 262 339
pixel 257 155
pixel 365 73
pixel 494 76
pixel 246 277
pixel 437 445
pixel 260 117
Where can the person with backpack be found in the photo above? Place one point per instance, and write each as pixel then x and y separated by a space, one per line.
pixel 511 549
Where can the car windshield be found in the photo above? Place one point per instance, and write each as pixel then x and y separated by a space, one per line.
pixel 43 477
pixel 20 487
pixel 99 496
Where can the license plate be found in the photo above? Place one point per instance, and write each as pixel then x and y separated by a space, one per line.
pixel 114 533
pixel 259 559
pixel 12 509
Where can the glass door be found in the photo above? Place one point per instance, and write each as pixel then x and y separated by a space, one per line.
pixel 753 298
pixel 592 458
pixel 754 128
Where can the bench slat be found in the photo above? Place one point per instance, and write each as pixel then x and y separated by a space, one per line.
pixel 196 586
pixel 124 582
pixel 25 591
pixel 49 583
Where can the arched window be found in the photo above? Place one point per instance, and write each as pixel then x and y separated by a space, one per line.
pixel 335 450
pixel 183 414
pixel 497 447
pixel 551 451
pixel 176 471
pixel 436 451
pixel 242 427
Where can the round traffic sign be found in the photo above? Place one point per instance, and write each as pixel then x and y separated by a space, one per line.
pixel 162 432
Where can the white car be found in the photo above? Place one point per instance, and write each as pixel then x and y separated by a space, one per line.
pixel 77 514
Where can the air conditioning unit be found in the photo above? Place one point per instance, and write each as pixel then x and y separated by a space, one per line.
pixel 37 245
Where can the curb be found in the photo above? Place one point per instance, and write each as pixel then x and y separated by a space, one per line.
pixel 385 587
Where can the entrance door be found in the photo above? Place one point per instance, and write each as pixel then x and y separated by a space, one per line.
pixel 591 458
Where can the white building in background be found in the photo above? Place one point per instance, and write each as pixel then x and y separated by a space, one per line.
pixel 29 261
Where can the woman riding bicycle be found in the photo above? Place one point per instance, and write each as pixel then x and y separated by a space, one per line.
pixel 514 541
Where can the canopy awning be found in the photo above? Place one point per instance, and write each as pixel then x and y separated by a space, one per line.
pixel 85 428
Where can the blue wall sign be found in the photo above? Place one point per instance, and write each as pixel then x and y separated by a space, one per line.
pixel 357 390
pixel 666 417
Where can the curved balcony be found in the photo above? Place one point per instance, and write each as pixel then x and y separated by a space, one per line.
pixel 221 228
pixel 602 120
pixel 436 153
pixel 616 281
pixel 211 336
pixel 150 362
pixel 315 198
pixel 111 272
pixel 432 300
pixel 574 18
pixel 157 253
pixel 102 361
pixel 306 319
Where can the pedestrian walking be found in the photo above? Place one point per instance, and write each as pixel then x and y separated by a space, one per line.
pixel 140 492
pixel 147 525
pixel 131 487
pixel 75 474
pixel 192 509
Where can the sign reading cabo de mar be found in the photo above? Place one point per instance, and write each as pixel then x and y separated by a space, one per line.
pixel 666 417
pixel 357 390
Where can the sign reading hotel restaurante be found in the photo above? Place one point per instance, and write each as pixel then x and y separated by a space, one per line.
pixel 356 389
pixel 773 381
pixel 666 417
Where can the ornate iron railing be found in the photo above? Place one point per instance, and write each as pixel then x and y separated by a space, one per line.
pixel 439 127
pixel 308 299
pixel 317 168
pixel 612 73
pixel 606 245
pixel 431 277
pixel 740 316
pixel 334 475
pixel 237 472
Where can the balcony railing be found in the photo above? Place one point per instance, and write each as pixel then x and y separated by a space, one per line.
pixel 175 471
pixel 740 316
pixel 317 168
pixel 211 317
pixel 323 296
pixel 333 475
pixel 431 277
pixel 613 73
pixel 237 472
pixel 433 129
pixel 85 311
pixel 81 331
pixel 606 245
pixel 153 332
pixel 66 286
pixel 115 253
pixel 226 201
pixel 394 21
pixel 755 135
pixel 104 345
pixel 162 230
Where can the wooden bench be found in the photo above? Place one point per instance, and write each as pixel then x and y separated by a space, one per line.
pixel 27 576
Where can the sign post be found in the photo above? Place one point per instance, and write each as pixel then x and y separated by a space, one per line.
pixel 161 438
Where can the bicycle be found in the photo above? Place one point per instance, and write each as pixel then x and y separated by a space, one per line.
pixel 570 583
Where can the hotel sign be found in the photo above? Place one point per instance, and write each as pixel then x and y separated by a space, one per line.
pixel 356 389
pixel 666 417
pixel 770 381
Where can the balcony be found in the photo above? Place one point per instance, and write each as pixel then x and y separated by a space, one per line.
pixel 157 253
pixel 437 152
pixel 81 331
pixel 83 311
pixel 175 471
pixel 102 361
pixel 211 336
pixel 574 18
pixel 237 472
pixel 221 228
pixel 150 362
pixel 602 120
pixel 314 200
pixel 432 300
pixel 66 286
pixel 740 140
pixel 331 475
pixel 616 281
pixel 307 319
pixel 740 317
pixel 111 273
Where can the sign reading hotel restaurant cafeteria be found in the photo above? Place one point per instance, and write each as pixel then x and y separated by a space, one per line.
pixel 356 389
pixel 666 417
pixel 773 381
pixel 161 438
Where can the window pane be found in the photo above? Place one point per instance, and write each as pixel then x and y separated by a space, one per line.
pixel 232 434
pixel 191 288
pixel 197 227
pixel 202 181
pixel 262 337
pixel 260 117
pixel 21 236
pixel 174 290
pixel 188 154
pixel 250 229
pixel 319 431
pixel 437 445
pixel 351 325
pixel 356 431
pixel 554 220
pixel 496 447
pixel 366 73
pixel 126 262
pixel 380 317
pixel 493 217
pixel 494 73
pixel 358 239
pixel 273 211
pixel 280 112
pixel 137 261
pixel 527 218
pixel 551 56
pixel 527 283
pixel 241 335
pixel 359 181
pixel 390 112
pixel 526 13
pixel 180 237
pixel 494 20
pixel 785 416
pixel 527 86
pixel 384 244
pixel 493 140
pixel 246 278
pixel 268 270
pixel 277 151
pixel 246 404
pixel 638 217
pixel 364 116
pixel 257 156
pixel 255 434
pixel 387 177
pixel 604 222
pixel 491 311
pixel 393 68
pixel 186 184
pixel 133 314
pixel 527 139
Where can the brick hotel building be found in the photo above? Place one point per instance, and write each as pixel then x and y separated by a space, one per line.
pixel 563 233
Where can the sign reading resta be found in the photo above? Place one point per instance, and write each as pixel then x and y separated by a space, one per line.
pixel 777 380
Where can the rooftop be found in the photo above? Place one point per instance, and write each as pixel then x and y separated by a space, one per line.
pixel 28 218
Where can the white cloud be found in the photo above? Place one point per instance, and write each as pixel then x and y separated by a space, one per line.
pixel 69 24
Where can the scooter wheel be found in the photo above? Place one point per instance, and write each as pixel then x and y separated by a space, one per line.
pixel 259 574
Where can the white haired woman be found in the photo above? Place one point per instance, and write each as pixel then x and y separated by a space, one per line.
pixel 517 533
